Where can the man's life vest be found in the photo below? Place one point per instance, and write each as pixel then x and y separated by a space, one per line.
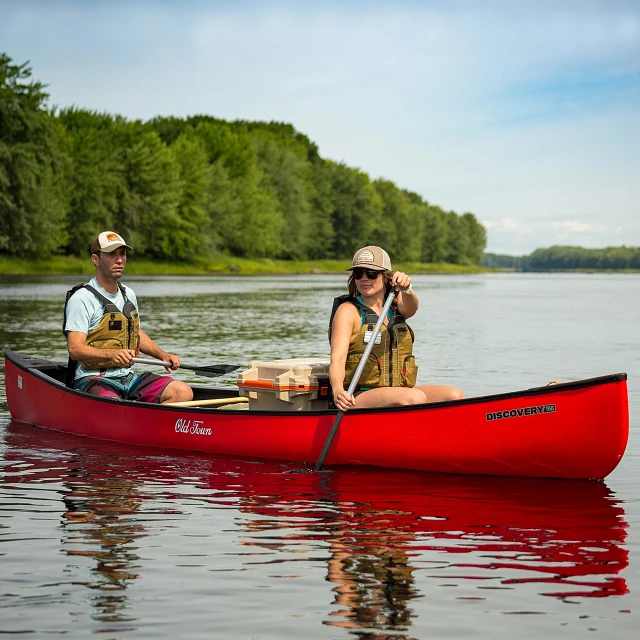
pixel 391 362
pixel 116 329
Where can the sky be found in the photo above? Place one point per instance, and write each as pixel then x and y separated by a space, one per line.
pixel 525 113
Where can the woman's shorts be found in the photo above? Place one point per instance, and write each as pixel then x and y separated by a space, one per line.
pixel 144 387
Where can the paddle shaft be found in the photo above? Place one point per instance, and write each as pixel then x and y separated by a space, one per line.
pixel 211 371
pixel 355 379
pixel 156 362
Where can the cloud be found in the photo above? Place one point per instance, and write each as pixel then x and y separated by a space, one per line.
pixel 505 224
pixel 573 225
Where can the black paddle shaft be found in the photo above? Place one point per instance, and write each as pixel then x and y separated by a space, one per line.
pixel 210 371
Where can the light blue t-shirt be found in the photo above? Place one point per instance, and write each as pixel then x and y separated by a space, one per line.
pixel 84 312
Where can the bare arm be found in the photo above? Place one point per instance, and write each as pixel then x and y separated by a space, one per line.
pixel 345 324
pixel 80 351
pixel 407 301
pixel 148 346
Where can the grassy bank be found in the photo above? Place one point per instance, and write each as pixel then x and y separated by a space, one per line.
pixel 217 266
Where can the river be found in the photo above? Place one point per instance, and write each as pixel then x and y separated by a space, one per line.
pixel 130 542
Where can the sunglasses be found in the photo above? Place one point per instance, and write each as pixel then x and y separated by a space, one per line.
pixel 371 274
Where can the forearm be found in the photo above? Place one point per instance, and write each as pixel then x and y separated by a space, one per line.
pixel 408 303
pixel 150 348
pixel 80 351
pixel 90 355
pixel 336 376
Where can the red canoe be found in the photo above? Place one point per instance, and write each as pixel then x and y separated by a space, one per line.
pixel 575 430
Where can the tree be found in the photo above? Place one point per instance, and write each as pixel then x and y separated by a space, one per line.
pixel 477 235
pixel 400 227
pixel 96 175
pixel 148 207
pixel 320 199
pixel 190 228
pixel 435 240
pixel 285 171
pixel 355 209
pixel 33 204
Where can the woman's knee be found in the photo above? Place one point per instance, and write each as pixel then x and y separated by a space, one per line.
pixel 413 396
pixel 455 394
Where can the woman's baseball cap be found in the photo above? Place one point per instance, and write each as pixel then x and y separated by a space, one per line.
pixel 371 257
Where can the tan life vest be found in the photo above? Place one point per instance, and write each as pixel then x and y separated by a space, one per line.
pixel 391 362
pixel 116 329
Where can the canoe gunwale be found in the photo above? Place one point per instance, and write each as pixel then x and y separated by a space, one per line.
pixel 37 368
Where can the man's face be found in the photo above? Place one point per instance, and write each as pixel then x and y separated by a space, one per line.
pixel 111 265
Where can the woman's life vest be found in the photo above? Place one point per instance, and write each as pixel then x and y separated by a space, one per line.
pixel 391 362
pixel 116 329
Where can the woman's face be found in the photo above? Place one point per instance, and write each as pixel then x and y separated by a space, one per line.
pixel 368 285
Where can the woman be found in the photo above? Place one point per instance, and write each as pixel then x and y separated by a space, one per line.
pixel 389 375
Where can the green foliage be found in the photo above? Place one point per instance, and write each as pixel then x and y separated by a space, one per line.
pixel 477 239
pixel 324 234
pixel 190 189
pixel 401 226
pixel 355 209
pixel 96 177
pixel 285 172
pixel 189 230
pixel 501 261
pixel 148 207
pixel 435 241
pixel 32 189
pixel 565 258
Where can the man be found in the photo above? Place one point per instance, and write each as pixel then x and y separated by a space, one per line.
pixel 104 335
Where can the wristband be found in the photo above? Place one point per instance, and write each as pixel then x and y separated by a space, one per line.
pixel 408 290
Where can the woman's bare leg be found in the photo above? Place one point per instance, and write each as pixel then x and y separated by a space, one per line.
pixel 441 392
pixel 399 396
pixel 391 397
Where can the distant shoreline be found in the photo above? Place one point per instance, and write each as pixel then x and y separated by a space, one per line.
pixel 227 266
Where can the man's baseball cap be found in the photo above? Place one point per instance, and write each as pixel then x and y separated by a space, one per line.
pixel 108 241
pixel 371 257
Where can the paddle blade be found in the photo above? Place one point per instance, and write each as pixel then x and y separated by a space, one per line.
pixel 215 370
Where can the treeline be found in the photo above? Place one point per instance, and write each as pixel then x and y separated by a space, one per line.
pixel 559 257
pixel 564 258
pixel 182 189
pixel 502 261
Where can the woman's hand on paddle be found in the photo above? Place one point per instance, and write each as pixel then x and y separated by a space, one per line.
pixel 405 295
pixel 400 280
pixel 343 400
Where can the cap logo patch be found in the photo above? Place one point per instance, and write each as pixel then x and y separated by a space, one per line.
pixel 365 256
pixel 112 236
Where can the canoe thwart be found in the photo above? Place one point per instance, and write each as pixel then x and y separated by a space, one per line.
pixel 207 403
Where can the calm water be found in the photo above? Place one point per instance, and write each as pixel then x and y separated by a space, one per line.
pixel 134 543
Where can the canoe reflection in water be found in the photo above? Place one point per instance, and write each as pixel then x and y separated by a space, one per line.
pixel 98 524
pixel 387 536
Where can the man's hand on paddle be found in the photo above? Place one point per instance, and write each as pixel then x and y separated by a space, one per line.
pixel 122 357
pixel 173 359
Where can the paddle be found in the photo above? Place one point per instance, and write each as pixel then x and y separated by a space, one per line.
pixel 210 370
pixel 356 377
